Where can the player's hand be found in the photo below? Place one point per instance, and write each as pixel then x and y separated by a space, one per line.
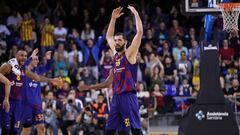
pixel 117 12
pixel 133 10
pixel 48 55
pixel 34 53
pixel 57 82
pixel 6 105
pixel 84 87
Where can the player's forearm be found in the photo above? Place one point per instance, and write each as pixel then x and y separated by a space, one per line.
pixel 139 26
pixel 100 85
pixel 111 28
pixel 36 77
pixel 7 91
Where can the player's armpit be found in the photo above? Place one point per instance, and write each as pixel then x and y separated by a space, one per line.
pixel 5 68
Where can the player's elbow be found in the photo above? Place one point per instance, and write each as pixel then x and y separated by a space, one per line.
pixel 8 83
pixel 140 32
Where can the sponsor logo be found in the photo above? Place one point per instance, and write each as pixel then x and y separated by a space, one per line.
pixel 18 84
pixel 127 122
pixel 216 115
pixel 199 115
pixel 32 84
pixel 210 47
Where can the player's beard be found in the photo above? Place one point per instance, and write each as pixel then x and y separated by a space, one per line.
pixel 119 49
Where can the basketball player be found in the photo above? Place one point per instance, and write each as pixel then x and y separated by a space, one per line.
pixel 32 102
pixel 14 71
pixel 124 112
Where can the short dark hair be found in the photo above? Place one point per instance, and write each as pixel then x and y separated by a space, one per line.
pixel 121 34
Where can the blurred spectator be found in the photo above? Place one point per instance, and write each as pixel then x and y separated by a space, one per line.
pixel 85 121
pixel 235 88
pixel 60 33
pixel 14 19
pixel 41 11
pixel 161 31
pixel 190 36
pixel 86 16
pixel 60 63
pixel 156 75
pixel 185 89
pixel 147 50
pixel 194 51
pixel 61 49
pixel 4 31
pixel 62 93
pixel 226 53
pixel 70 109
pixel 129 29
pixel 175 31
pixel 47 37
pixel 150 37
pixel 50 110
pixel 184 67
pixel 13 51
pixel 170 71
pixel 64 77
pixel 196 75
pixel 159 94
pixel 234 93
pixel 74 17
pixel 26 27
pixel 234 43
pixel 75 53
pixel 164 51
pixel 106 64
pixel 177 50
pixel 100 20
pixel 100 114
pixel 58 13
pixel 85 75
pixel 87 33
pixel 143 99
pixel 91 53
pixel 141 66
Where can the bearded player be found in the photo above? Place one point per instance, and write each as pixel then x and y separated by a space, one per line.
pixel 124 112
pixel 14 71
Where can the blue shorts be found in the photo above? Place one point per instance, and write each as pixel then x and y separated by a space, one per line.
pixel 32 115
pixel 124 112
pixel 11 120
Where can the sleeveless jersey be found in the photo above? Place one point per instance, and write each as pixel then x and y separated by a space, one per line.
pixel 16 77
pixel 124 75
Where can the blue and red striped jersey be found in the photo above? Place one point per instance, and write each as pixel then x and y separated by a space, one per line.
pixel 124 75
pixel 17 82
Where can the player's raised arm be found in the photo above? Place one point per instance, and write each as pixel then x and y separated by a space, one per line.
pixel 116 13
pixel 39 78
pixel 131 52
pixel 7 85
pixel 102 85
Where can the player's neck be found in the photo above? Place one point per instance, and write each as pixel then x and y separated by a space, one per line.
pixel 121 52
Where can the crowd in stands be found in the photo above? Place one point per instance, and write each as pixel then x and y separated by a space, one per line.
pixel 168 59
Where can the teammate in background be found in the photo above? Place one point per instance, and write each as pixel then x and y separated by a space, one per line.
pixel 13 70
pixel 5 103
pixel 124 112
pixel 32 102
